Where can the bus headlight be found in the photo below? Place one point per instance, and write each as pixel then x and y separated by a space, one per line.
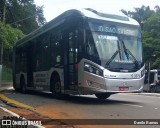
pixel 93 69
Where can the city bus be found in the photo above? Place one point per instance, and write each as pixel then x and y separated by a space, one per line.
pixel 81 52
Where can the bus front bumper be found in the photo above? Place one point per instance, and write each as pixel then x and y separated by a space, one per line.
pixel 93 85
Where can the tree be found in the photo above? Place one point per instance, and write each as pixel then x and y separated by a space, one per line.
pixel 151 39
pixel 25 2
pixel 40 17
pixel 8 37
pixel 157 8
pixel 140 14
pixel 22 14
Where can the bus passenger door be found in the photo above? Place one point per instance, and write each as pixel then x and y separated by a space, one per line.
pixel 72 67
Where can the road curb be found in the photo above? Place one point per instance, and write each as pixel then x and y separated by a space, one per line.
pixel 14 103
pixel 147 94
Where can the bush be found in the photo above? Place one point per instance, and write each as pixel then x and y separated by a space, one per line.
pixel 6 74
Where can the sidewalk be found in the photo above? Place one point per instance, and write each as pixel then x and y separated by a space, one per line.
pixel 4 86
pixel 148 94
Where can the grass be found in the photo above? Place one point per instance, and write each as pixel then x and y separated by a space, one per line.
pixel 6 74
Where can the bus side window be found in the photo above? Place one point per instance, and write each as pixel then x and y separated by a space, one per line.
pixel 57 52
pixel 42 52
pixel 90 46
pixel 55 47
pixel 71 47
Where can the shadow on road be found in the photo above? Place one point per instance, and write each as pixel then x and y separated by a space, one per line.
pixel 95 101
pixel 86 100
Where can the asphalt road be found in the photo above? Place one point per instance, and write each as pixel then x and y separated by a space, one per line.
pixel 118 106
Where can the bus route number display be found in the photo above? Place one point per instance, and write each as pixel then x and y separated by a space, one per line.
pixel 115 29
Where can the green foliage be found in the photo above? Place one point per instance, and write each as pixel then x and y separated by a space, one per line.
pixel 18 15
pixel 151 37
pixel 6 74
pixel 22 14
pixel 153 23
pixel 9 35
pixel 140 14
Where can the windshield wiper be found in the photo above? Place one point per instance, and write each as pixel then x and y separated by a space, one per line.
pixel 134 60
pixel 114 55
pixel 128 52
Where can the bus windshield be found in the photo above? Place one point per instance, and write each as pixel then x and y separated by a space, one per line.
pixel 116 44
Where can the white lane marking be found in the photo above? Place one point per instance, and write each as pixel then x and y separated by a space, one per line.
pixel 139 106
pixel 16 115
pixel 10 112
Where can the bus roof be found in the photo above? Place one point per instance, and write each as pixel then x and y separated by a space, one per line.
pixel 118 17
pixel 109 16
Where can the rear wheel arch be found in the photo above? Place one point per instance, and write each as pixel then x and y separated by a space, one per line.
pixel 55 78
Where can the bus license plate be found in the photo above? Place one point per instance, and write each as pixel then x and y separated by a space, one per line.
pixel 123 88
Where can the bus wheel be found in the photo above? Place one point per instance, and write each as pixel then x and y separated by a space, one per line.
pixel 152 89
pixel 55 85
pixel 23 85
pixel 102 95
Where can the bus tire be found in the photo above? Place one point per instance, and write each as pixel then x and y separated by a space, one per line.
pixel 55 85
pixel 23 85
pixel 102 95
